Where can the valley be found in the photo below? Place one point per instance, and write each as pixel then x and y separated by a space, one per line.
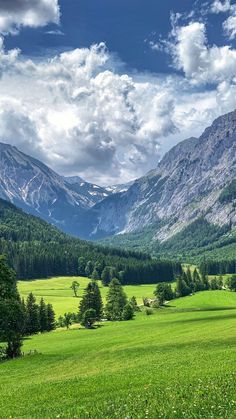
pixel 117 209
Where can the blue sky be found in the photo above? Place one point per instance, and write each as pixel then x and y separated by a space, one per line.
pixel 102 89
pixel 127 27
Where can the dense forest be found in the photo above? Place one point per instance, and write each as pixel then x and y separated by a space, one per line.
pixel 36 249
pixel 214 267
pixel 197 241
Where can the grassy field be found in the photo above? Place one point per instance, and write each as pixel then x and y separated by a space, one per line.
pixel 57 292
pixel 179 362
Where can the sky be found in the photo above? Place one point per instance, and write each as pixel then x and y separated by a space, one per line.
pixel 102 89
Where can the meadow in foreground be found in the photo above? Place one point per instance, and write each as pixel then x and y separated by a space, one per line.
pixel 177 363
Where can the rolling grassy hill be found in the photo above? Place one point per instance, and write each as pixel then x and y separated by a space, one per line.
pixel 177 363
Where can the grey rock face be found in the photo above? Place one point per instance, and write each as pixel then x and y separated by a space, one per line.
pixel 92 193
pixel 31 185
pixel 186 185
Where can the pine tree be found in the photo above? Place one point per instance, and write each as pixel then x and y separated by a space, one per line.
pixel 181 288
pixel 89 268
pixel 99 267
pixel 128 312
pixel 95 274
pixel 134 303
pixel 81 266
pixel 51 324
pixel 43 318
pixel 105 276
pixel 116 300
pixel 189 279
pixel 205 282
pixel 91 300
pixel 197 281
pixel 32 315
pixel 163 292
pixel 12 315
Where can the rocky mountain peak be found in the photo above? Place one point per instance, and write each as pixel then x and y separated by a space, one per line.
pixel 185 186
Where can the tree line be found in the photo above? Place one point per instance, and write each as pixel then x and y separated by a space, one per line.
pixel 187 283
pixel 35 249
pixel 214 267
pixel 134 272
pixel 19 318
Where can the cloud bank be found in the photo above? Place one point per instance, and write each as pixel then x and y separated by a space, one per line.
pixel 81 113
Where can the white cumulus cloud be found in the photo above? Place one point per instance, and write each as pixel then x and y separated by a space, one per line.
pixel 200 62
pixel 32 13
pixel 229 24
pixel 81 113
pixel 219 6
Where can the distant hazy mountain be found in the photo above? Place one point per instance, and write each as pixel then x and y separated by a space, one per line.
pixel 31 185
pixel 195 179
pixel 93 193
pixel 123 187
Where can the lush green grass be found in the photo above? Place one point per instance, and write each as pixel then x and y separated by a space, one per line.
pixel 57 291
pixel 176 363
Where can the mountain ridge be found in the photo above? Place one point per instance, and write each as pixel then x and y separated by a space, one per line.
pixel 185 186
pixel 39 190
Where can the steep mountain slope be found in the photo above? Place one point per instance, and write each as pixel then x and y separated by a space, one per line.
pixel 93 193
pixel 188 184
pixel 34 187
pixel 31 185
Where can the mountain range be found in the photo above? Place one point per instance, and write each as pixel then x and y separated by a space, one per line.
pixel 34 187
pixel 195 180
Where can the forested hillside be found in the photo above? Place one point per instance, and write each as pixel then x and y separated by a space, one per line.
pixel 200 240
pixel 35 249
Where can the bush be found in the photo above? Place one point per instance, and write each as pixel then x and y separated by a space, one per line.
pixel 128 312
pixel 148 311
pixel 89 318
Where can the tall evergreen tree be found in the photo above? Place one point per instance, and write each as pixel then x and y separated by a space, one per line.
pixel 81 266
pixel 163 292
pixel 116 300
pixel 91 300
pixel 105 276
pixel 51 324
pixel 128 312
pixel 12 326
pixel 43 317
pixel 95 274
pixel 197 281
pixel 89 268
pixel 12 316
pixel 181 288
pixel 32 315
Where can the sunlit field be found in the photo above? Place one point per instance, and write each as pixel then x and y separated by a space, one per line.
pixel 179 362
pixel 58 292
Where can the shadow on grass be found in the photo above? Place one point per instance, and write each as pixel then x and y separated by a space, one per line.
pixel 206 318
pixel 174 309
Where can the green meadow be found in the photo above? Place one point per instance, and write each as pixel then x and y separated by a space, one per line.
pixel 57 291
pixel 179 362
